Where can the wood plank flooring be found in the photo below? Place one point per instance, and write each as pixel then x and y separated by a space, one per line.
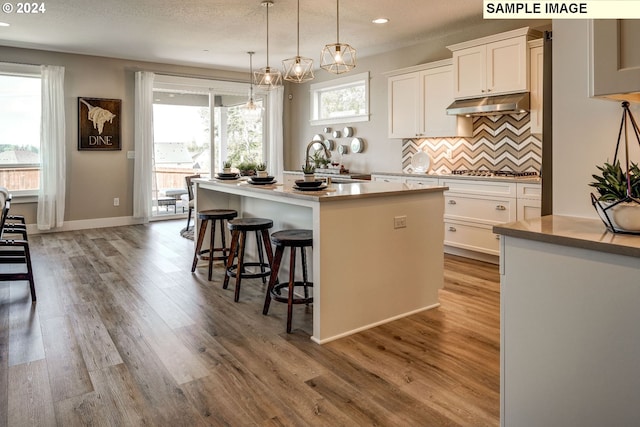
pixel 123 334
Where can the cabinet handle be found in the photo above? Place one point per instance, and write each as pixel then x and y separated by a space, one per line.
pixel 501 208
pixel 497 237
pixel 452 228
pixel 452 202
pixel 489 90
pixel 482 90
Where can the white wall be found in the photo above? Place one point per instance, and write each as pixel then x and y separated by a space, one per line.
pixel 585 130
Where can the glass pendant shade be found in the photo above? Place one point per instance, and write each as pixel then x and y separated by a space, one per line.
pixel 338 57
pixel 251 111
pixel 267 78
pixel 298 69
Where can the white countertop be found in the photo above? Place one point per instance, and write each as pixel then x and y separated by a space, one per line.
pixel 334 192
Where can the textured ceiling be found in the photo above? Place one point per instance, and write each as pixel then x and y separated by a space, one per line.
pixel 218 33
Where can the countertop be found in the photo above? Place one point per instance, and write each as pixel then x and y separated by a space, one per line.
pixel 348 175
pixel 575 232
pixel 528 179
pixel 334 192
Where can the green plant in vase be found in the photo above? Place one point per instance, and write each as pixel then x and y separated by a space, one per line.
pixel 226 167
pixel 618 203
pixel 261 169
pixel 309 171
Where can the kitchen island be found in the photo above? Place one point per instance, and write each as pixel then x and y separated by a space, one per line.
pixel 378 247
pixel 569 323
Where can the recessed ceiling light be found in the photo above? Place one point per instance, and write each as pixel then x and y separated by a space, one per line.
pixel 4 24
pixel 380 20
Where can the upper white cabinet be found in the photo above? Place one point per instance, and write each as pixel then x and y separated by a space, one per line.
pixel 615 58
pixel 536 61
pixel 417 101
pixel 492 65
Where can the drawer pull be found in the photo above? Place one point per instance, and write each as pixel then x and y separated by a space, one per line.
pixel 497 237
pixel 501 208
pixel 452 228
pixel 452 202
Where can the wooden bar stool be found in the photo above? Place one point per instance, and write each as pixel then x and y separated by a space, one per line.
pixel 214 216
pixel 239 228
pixel 293 239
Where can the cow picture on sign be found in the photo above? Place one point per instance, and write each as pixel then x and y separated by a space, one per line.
pixel 98 124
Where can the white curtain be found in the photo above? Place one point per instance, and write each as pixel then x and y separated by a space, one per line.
pixel 51 196
pixel 143 164
pixel 275 153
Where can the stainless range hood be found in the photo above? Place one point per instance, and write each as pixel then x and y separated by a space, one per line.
pixel 514 103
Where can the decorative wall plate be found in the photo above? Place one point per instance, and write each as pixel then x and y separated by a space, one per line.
pixel 336 134
pixel 343 149
pixel 328 143
pixel 318 137
pixel 347 131
pixel 357 145
pixel 327 130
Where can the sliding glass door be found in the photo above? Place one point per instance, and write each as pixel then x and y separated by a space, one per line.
pixel 198 124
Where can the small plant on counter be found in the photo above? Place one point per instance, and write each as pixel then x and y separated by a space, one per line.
pixel 227 164
pixel 308 169
pixel 247 168
pixel 261 169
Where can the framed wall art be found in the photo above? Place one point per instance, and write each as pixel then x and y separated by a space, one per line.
pixel 99 124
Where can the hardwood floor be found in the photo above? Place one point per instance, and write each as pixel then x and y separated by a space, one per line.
pixel 123 334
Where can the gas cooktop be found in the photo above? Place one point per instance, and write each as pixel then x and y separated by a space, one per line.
pixel 484 172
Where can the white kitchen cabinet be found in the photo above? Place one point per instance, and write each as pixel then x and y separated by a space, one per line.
pixel 422 181
pixel 615 59
pixel 493 65
pixel 417 101
pixel 536 63
pixel 471 209
pixel 529 195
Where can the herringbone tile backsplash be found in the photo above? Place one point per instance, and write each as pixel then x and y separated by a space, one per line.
pixel 498 143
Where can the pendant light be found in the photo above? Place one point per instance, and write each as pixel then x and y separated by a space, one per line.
pixel 298 69
pixel 267 77
pixel 251 111
pixel 338 57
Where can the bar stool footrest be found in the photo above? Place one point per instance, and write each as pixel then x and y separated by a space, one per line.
pixel 233 270
pixel 275 293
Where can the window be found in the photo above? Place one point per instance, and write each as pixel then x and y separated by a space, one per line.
pixel 20 104
pixel 341 100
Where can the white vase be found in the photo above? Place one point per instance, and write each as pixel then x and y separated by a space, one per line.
pixel 309 177
pixel 262 173
pixel 624 216
pixel 226 170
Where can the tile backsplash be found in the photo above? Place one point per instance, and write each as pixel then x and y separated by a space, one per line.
pixel 498 143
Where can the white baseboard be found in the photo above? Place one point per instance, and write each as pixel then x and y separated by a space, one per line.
pixel 84 224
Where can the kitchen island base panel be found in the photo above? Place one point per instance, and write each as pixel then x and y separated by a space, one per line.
pixel 365 270
pixel 570 341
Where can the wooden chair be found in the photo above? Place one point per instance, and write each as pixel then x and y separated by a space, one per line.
pixel 188 179
pixel 18 224
pixel 14 252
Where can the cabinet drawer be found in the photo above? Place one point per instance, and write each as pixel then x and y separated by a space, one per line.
pixel 529 190
pixel 387 178
pixel 473 237
pixel 490 210
pixel 422 181
pixel 485 188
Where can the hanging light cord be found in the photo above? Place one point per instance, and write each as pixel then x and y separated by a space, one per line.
pixel 251 76
pixel 298 43
pixel 268 5
pixel 337 21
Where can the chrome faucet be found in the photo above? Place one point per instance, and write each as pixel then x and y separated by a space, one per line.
pixel 327 153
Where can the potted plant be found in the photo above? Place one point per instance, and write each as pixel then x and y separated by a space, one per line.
pixel 261 170
pixel 618 201
pixel 309 172
pixel 226 167
pixel 247 168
